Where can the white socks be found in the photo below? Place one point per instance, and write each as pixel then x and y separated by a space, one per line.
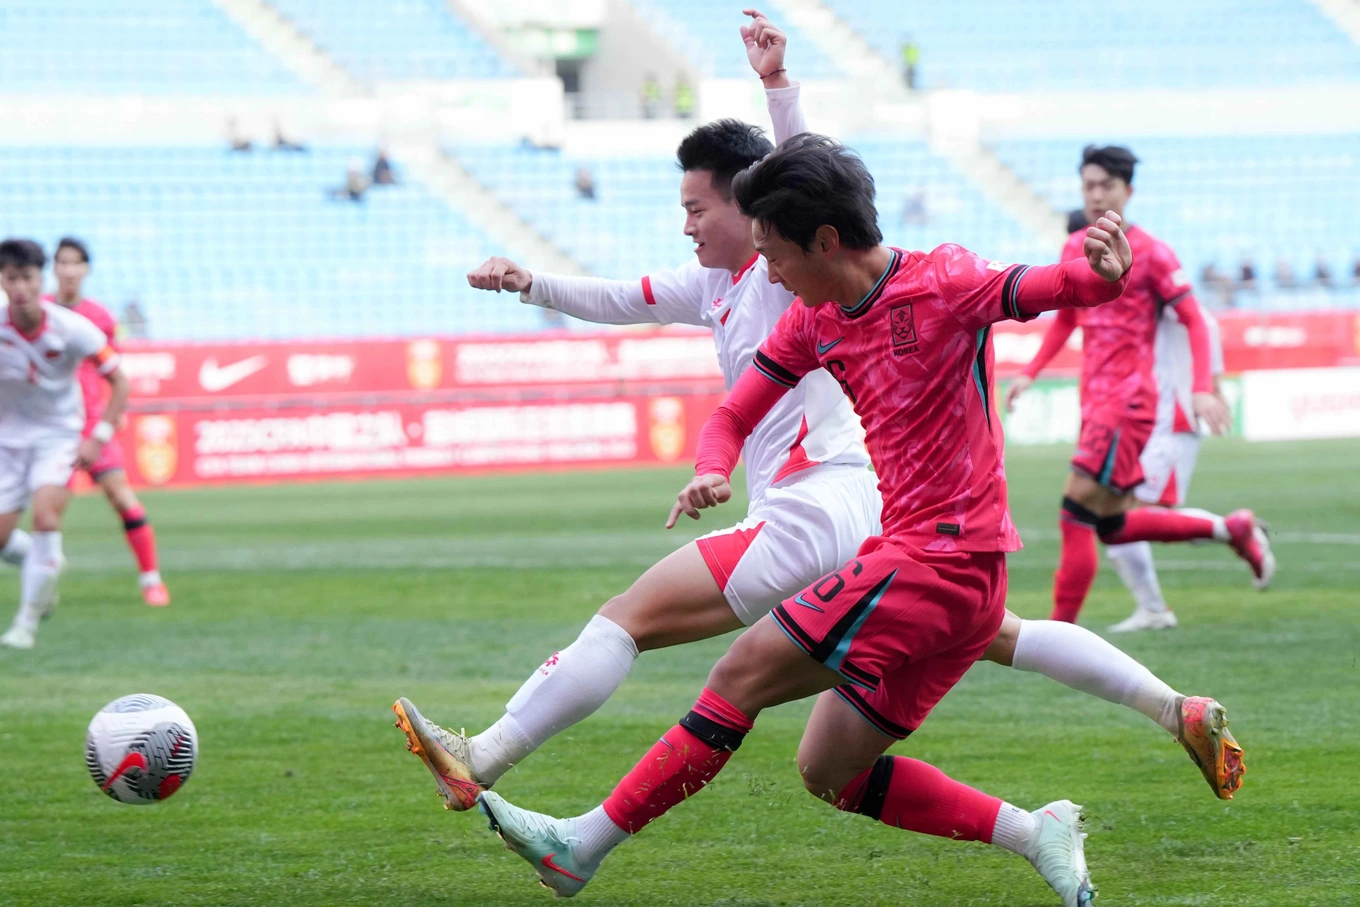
pixel 16 549
pixel 1080 659
pixel 1016 830
pixel 566 688
pixel 598 835
pixel 1133 563
pixel 38 578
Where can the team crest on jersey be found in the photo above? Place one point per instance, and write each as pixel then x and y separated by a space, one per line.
pixel 903 324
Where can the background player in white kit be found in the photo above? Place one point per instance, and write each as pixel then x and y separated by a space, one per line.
pixel 813 500
pixel 1168 463
pixel 42 346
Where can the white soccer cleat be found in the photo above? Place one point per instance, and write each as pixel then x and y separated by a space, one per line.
pixel 542 840
pixel 1145 619
pixel 17 637
pixel 1060 855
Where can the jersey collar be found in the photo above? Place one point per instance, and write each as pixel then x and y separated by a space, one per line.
pixel 30 336
pixel 871 297
pixel 744 268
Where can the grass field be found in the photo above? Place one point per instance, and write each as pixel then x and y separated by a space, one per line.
pixel 302 611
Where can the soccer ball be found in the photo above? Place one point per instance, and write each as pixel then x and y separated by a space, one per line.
pixel 140 748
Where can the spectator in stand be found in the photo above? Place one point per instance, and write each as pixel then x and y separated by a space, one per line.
pixel 914 211
pixel 1322 272
pixel 1355 272
pixel 651 96
pixel 585 183
pixel 133 321
pixel 1246 274
pixel 1284 274
pixel 235 139
pixel 283 143
pixel 1219 283
pixel 684 97
pixel 911 57
pixel 1076 220
pixel 383 174
pixel 356 184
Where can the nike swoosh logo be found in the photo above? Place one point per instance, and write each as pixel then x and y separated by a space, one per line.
pixel 130 761
pixel 548 862
pixel 213 377
pixel 799 599
pixel 824 348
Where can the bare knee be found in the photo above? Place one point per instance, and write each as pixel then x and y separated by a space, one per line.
pixel 47 519
pixel 1002 649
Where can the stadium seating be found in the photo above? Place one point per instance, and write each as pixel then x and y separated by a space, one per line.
pixel 707 31
pixel 389 40
pixel 1218 199
pixel 221 245
pixel 131 47
pixel 1064 45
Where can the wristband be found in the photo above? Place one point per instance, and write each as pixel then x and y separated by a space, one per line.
pixel 103 432
pixel 773 72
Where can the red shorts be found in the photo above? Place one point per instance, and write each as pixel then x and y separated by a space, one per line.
pixel 901 625
pixel 1110 446
pixel 110 459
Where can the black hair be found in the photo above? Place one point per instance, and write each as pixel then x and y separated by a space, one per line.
pixel 70 242
pixel 810 181
pixel 1116 159
pixel 724 147
pixel 21 253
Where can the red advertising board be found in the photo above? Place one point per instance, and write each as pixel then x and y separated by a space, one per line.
pixel 192 447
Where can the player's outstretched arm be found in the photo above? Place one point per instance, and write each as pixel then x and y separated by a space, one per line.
pixel 765 47
pixel 498 274
pixel 665 297
pixel 1107 248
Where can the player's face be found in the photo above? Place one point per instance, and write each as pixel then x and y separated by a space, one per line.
pixel 71 271
pixel 795 269
pixel 1102 191
pixel 721 233
pixel 23 286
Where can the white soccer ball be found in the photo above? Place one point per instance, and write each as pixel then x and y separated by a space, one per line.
pixel 141 748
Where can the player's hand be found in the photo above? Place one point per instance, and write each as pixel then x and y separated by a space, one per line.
pixel 500 274
pixel 87 454
pixel 1019 384
pixel 1213 411
pixel 1107 248
pixel 702 491
pixel 765 44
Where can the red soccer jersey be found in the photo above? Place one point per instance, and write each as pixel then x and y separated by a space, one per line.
pixel 915 359
pixel 92 384
pixel 1118 339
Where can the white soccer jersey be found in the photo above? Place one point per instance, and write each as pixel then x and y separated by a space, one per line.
pixel 40 399
pixel 812 424
pixel 1174 368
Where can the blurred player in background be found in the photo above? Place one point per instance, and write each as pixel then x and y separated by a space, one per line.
pixel 72 265
pixel 1168 463
pixel 812 499
pixel 42 347
pixel 1119 403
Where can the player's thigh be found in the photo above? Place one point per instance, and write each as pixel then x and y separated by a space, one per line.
pixel 676 601
pixel 49 477
pixel 1159 470
pixel 837 746
pixel 14 485
pixel 49 505
pixel 764 668
pixel 9 519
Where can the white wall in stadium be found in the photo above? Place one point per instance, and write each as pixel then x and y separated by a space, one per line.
pixel 1291 404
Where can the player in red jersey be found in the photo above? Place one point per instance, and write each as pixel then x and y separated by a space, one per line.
pixel 1119 403
pixel 884 637
pixel 72 266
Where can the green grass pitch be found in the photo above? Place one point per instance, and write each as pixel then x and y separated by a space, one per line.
pixel 302 611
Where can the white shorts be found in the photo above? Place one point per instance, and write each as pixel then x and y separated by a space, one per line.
pixel 1168 463
pixel 799 531
pixel 23 470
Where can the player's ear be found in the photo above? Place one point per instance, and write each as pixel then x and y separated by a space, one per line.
pixel 826 240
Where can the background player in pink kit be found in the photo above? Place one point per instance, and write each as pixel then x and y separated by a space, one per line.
pixel 72 265
pixel 892 630
pixel 812 500
pixel 1119 404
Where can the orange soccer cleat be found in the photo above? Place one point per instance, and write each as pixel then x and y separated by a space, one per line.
pixel 1205 736
pixel 444 753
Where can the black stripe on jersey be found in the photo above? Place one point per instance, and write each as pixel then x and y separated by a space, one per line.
pixel 1009 307
pixel 876 790
pixel 774 371
pixel 984 380
pixel 873 295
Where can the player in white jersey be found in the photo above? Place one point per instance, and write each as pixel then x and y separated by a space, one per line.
pixel 42 413
pixel 1168 463
pixel 813 500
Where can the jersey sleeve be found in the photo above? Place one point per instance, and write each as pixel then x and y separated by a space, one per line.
pixel 788 354
pixel 785 112
pixel 663 297
pixel 1169 280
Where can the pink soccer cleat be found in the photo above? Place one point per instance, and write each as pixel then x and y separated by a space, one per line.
pixel 156 595
pixel 1247 537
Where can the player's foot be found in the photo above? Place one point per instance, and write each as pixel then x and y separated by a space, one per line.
pixel 1205 736
pixel 1247 536
pixel 1145 619
pixel 444 753
pixel 156 595
pixel 542 840
pixel 17 637
pixel 1060 855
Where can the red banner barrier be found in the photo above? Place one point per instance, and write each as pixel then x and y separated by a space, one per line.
pixel 403 439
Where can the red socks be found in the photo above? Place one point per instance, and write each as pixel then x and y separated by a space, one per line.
pixel 1076 569
pixel 1158 524
pixel 685 759
pixel 141 538
pixel 905 793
